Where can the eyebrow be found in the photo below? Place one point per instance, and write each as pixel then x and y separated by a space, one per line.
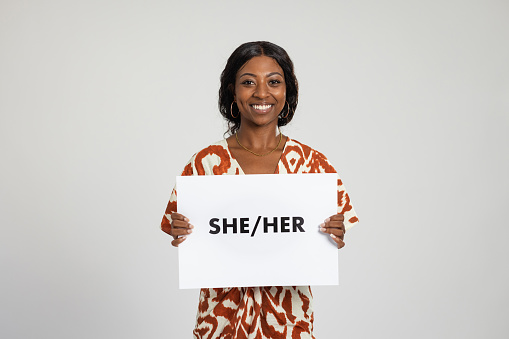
pixel 254 75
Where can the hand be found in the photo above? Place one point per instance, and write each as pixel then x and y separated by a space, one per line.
pixel 180 228
pixel 335 227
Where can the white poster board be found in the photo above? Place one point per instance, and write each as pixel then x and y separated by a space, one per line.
pixel 257 230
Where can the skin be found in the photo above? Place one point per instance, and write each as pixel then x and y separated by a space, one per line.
pixel 259 82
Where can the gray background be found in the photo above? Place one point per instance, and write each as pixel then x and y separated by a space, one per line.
pixel 103 102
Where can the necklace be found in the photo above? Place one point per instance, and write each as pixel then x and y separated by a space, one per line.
pixel 260 155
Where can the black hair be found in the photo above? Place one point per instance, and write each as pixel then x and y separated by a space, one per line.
pixel 239 57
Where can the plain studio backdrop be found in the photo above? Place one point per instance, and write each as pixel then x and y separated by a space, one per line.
pixel 103 102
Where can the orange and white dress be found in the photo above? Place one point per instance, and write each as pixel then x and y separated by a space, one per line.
pixel 258 312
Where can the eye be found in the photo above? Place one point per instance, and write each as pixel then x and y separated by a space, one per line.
pixel 274 82
pixel 247 82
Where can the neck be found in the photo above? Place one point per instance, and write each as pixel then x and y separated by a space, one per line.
pixel 259 138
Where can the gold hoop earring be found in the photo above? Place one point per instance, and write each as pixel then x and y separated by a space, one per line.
pixel 288 112
pixel 231 111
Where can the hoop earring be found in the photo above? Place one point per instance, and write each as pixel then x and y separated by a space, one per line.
pixel 231 111
pixel 288 112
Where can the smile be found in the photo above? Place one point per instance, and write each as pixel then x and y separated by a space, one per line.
pixel 262 107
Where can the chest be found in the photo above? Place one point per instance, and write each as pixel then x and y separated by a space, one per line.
pixel 252 164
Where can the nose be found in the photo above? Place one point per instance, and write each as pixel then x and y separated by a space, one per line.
pixel 261 91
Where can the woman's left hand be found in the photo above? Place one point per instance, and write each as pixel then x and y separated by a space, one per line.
pixel 335 228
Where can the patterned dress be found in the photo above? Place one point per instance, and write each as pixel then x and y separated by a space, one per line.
pixel 258 312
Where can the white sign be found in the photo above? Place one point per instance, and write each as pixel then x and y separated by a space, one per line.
pixel 257 230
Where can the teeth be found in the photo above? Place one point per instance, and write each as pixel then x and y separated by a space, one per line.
pixel 262 107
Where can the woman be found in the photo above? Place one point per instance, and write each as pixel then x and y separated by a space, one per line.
pixel 258 94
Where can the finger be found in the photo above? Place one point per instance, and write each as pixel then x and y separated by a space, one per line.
pixel 181 224
pixel 175 232
pixel 338 241
pixel 334 224
pixel 178 216
pixel 338 232
pixel 337 217
pixel 176 242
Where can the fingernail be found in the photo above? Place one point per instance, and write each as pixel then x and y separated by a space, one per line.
pixel 327 220
pixel 323 229
pixel 191 226
pixel 184 237
pixel 322 225
pixel 186 219
pixel 333 236
pixel 189 231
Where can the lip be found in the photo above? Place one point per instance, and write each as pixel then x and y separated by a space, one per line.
pixel 262 108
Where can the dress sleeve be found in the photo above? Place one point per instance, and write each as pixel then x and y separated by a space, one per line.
pixel 189 169
pixel 345 206
pixel 320 164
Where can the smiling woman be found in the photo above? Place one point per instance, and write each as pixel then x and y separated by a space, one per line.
pixel 258 94
pixel 280 63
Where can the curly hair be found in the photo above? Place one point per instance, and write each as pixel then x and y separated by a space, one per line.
pixel 239 57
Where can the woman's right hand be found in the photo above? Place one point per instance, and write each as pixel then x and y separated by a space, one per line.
pixel 180 228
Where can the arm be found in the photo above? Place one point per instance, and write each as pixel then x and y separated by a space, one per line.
pixel 173 223
pixel 337 224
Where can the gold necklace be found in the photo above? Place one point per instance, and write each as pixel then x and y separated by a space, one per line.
pixel 261 155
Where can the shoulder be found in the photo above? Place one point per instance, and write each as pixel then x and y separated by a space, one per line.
pixel 312 160
pixel 212 159
pixel 219 148
pixel 306 150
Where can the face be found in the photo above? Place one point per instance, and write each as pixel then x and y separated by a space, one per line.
pixel 260 91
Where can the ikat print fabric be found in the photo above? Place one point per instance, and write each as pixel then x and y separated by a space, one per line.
pixel 268 311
